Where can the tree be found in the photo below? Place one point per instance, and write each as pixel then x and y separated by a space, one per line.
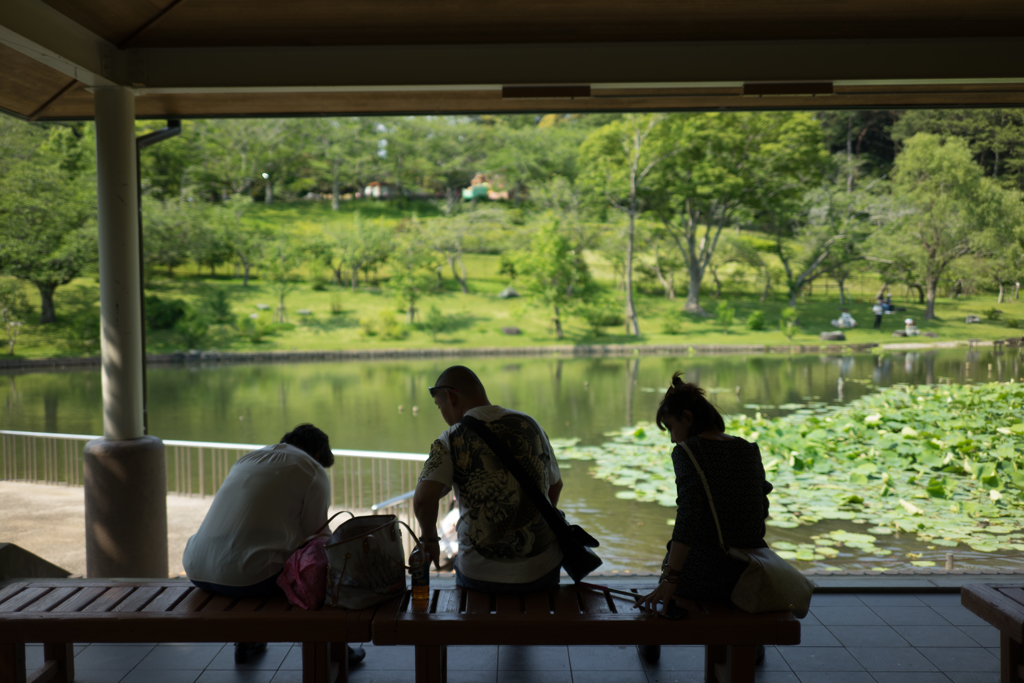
pixel 209 244
pixel 554 272
pixel 956 210
pixel 728 166
pixel 278 268
pixel 13 311
pixel 167 232
pixel 412 269
pixel 618 159
pixel 346 152
pixel 246 240
pixel 44 237
pixel 449 232
pixel 994 136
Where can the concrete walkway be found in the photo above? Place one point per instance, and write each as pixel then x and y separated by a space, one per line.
pixel 847 638
pixel 49 521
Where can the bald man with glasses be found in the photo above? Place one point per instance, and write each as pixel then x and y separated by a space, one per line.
pixel 505 546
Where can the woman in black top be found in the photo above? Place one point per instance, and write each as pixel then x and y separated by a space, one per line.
pixel 696 567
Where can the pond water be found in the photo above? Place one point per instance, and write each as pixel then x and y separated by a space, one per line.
pixel 385 406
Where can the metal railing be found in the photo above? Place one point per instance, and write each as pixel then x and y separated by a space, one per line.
pixel 198 468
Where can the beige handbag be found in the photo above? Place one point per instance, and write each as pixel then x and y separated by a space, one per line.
pixel 365 562
pixel 769 584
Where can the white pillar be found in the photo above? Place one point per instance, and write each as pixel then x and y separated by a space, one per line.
pixel 125 472
pixel 120 288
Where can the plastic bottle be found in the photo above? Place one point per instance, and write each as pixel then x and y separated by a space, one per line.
pixel 419 572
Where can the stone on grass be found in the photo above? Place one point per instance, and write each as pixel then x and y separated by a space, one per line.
pixel 508 293
pixel 899 333
pixel 832 336
pixel 972 319
pixel 929 333
pixel 304 311
pixel 511 330
pixel 263 307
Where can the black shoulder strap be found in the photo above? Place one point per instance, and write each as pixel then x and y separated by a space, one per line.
pixel 528 485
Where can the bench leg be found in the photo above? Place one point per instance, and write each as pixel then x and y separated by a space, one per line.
pixel 714 655
pixel 12 662
pixel 63 657
pixel 339 658
pixel 431 664
pixel 1010 659
pixel 324 662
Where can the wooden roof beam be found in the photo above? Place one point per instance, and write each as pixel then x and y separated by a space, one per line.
pixel 38 31
pixel 485 67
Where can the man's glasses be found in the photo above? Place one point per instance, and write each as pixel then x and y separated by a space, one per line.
pixel 433 390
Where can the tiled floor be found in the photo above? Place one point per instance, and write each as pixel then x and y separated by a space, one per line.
pixel 867 638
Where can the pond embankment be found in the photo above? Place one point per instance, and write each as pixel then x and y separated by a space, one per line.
pixel 567 350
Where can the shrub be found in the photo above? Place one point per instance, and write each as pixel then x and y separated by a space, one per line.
pixel 319 284
pixel 389 325
pixel 755 321
pixel 385 325
pixel 601 313
pixel 1012 323
pixel 193 327
pixel 255 329
pixel 163 314
pixel 84 331
pixel 992 313
pixel 336 304
pixel 368 326
pixel 788 322
pixel 672 323
pixel 436 322
pixel 725 315
pixel 217 307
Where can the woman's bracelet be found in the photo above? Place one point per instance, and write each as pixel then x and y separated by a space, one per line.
pixel 670 575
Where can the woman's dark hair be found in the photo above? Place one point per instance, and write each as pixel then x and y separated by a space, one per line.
pixel 685 396
pixel 312 441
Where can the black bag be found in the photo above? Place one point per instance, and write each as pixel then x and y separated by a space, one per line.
pixel 578 559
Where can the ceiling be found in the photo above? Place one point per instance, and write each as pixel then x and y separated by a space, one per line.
pixel 191 58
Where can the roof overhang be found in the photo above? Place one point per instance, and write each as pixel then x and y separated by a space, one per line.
pixel 52 64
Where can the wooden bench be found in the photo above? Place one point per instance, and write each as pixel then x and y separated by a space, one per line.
pixel 570 615
pixel 1003 607
pixel 59 613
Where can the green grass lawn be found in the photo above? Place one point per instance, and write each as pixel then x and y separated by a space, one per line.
pixel 477 318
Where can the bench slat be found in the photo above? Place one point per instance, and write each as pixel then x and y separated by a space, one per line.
pixel 566 602
pixel 168 598
pixel 24 599
pixel 507 605
pixel 139 599
pixel 57 596
pixel 276 605
pixel 193 602
pixel 247 605
pixel 449 601
pixel 594 602
pixel 220 603
pixel 538 604
pixel 10 591
pixel 81 599
pixel 991 603
pixel 478 603
pixel 110 599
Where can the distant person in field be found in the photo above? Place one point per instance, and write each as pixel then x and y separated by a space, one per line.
pixel 272 500
pixel 505 546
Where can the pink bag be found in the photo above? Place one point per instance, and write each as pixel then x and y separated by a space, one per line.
pixel 304 577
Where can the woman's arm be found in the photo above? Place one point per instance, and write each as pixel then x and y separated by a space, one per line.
pixel 669 579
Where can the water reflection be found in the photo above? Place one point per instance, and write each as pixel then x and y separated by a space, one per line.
pixel 384 405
